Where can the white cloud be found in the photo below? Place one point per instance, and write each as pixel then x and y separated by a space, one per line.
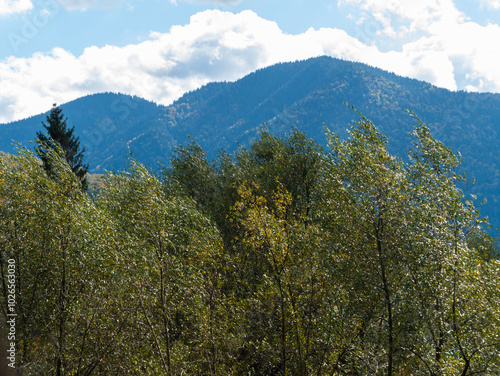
pixel 438 43
pixel 219 45
pixel 493 4
pixel 14 6
pixel 418 14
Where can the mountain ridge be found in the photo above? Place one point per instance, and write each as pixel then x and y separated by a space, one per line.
pixel 308 94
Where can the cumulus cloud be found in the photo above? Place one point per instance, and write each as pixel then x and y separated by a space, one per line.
pixel 219 45
pixel 14 6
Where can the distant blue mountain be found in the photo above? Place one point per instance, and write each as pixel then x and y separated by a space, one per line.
pixel 306 94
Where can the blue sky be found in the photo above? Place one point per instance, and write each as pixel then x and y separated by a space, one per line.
pixel 59 50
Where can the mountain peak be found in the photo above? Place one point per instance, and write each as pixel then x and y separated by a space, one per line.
pixel 308 94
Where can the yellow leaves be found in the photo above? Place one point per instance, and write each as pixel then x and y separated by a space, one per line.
pixel 267 221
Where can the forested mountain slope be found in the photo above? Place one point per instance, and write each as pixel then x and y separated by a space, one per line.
pixel 308 95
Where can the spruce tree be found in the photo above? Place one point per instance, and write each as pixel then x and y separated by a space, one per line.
pixel 58 131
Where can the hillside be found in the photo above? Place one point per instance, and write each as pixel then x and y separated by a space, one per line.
pixel 307 94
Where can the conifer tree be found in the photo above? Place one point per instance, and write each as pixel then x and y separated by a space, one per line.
pixel 58 131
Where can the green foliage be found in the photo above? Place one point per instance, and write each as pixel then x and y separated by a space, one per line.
pixel 44 226
pixel 280 259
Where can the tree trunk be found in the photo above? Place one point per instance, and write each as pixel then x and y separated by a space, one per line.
pixel 387 297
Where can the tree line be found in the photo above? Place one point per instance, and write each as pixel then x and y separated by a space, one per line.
pixel 281 259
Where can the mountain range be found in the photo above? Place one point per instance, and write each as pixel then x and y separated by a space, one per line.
pixel 309 95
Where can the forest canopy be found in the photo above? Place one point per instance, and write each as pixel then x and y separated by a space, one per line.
pixel 280 259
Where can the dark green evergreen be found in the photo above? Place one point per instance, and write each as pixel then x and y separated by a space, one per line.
pixel 58 131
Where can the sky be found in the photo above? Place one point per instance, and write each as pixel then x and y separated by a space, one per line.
pixel 54 51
